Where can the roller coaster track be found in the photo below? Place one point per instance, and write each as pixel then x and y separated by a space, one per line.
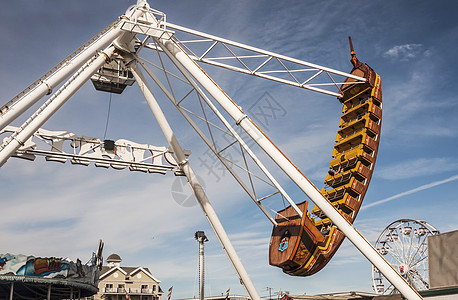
pixel 302 246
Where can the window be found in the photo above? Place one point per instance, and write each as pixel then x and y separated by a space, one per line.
pixel 154 288
pixel 109 285
pixel 144 286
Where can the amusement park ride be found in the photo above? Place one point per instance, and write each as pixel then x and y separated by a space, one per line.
pixel 303 241
pixel 404 245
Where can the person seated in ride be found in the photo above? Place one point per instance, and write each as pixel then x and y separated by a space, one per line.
pixel 333 172
pixel 284 241
pixel 325 230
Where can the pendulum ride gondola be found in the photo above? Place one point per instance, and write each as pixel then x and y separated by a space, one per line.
pixel 312 242
pixel 117 57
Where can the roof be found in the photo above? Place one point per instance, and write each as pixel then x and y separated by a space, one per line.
pixel 126 271
pixel 114 257
pixel 32 287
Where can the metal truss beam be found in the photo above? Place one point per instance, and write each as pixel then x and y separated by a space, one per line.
pixel 224 161
pixel 292 67
pixel 269 178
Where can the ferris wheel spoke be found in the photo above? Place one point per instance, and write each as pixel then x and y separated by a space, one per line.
pixel 421 279
pixel 404 241
pixel 420 241
pixel 419 261
pixel 398 260
pixel 410 238
pixel 395 246
pixel 409 243
pixel 411 280
pixel 390 289
pixel 418 280
pixel 417 248
pixel 397 255
pixel 399 243
pixel 420 248
pixel 412 242
pixel 422 253
pixel 398 246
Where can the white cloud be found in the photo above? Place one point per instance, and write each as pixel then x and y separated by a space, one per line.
pixel 408 103
pixel 406 52
pixel 412 191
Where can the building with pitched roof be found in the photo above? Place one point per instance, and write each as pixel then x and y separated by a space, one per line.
pixel 116 282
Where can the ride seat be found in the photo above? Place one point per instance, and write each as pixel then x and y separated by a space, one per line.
pixel 363 136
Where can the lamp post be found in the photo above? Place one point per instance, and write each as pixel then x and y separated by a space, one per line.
pixel 201 238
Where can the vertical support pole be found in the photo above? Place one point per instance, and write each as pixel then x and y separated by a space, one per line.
pixel 49 292
pixel 194 184
pixel 201 238
pixel 52 105
pixel 173 50
pixel 11 290
pixel 202 271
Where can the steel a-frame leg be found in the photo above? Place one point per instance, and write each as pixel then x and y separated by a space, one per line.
pixel 194 183
pixel 172 50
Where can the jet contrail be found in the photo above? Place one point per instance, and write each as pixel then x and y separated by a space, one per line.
pixel 420 188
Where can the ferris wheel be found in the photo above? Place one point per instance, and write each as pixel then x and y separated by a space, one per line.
pixel 403 243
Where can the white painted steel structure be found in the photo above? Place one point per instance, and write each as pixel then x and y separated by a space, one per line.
pixel 122 43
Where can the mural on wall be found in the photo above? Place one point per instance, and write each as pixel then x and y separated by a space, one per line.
pixel 47 267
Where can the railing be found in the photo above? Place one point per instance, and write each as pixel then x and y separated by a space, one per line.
pixel 362 101
pixel 128 290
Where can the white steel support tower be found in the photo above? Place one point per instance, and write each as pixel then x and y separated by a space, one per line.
pixel 123 43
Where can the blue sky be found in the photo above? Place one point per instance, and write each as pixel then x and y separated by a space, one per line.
pixel 51 209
